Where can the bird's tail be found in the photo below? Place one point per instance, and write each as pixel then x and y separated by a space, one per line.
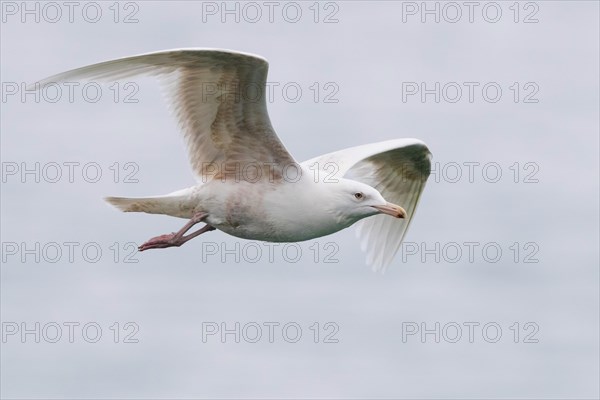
pixel 178 204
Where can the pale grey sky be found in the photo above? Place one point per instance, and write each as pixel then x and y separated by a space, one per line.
pixel 356 74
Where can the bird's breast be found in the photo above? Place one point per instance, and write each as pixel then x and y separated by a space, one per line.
pixel 268 212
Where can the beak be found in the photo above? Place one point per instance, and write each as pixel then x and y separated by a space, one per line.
pixel 391 209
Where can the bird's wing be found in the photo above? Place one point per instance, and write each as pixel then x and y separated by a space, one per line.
pixel 398 169
pixel 218 97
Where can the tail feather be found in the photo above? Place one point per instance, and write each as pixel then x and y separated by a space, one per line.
pixel 176 206
pixel 126 204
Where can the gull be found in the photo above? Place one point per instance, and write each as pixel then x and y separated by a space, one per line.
pixel 248 184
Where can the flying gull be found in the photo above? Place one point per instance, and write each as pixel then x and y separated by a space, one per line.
pixel 249 185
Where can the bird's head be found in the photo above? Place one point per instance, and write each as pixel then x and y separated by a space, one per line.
pixel 356 200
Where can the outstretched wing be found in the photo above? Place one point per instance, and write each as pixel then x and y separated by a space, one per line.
pixel 218 97
pixel 398 169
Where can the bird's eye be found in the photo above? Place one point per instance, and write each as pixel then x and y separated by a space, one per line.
pixel 358 195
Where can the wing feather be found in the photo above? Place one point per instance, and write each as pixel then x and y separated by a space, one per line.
pixel 217 96
pixel 398 169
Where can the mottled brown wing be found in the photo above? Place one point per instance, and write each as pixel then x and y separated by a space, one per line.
pixel 398 169
pixel 218 97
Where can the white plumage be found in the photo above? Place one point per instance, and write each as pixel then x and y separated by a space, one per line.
pixel 249 184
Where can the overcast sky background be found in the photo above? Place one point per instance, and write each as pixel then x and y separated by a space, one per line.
pixel 171 295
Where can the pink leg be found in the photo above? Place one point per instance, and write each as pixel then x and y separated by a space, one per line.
pixel 177 238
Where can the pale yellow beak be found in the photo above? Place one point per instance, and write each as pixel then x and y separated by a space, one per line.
pixel 392 209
